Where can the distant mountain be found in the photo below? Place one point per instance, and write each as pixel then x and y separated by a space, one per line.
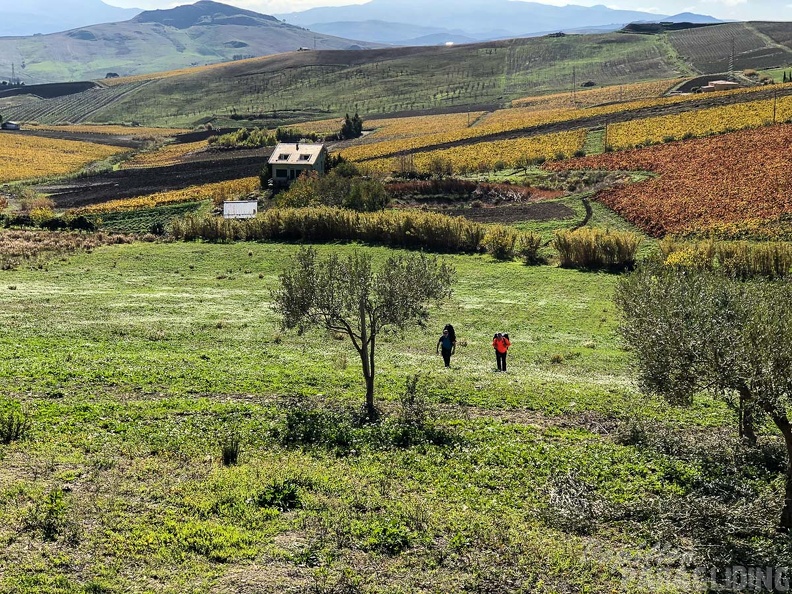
pixel 44 16
pixel 393 33
pixel 157 40
pixel 690 17
pixel 476 19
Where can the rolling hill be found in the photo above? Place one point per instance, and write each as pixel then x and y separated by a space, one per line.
pixel 298 86
pixel 194 35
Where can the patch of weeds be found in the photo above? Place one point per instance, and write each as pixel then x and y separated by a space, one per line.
pixel 14 426
pixel 306 424
pixel 386 536
pixel 230 450
pixel 48 516
pixel 281 495
pixel 97 587
pixel 416 418
pixel 573 504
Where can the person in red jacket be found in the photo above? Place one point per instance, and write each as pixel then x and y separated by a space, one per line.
pixel 501 344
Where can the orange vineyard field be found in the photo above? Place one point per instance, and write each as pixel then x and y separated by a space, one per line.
pixel 735 185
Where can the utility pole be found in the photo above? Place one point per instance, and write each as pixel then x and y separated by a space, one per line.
pixel 731 61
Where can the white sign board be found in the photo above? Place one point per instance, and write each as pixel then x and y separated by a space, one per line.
pixel 240 209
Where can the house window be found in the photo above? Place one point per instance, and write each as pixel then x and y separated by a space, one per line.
pixel 305 157
pixel 283 157
pixel 281 173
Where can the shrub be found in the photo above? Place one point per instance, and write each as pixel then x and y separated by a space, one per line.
pixel 385 536
pixel 280 495
pixel 3 203
pixel 230 450
pixel 528 246
pixel 41 216
pixel 500 241
pixel 415 421
pixel 30 201
pixel 592 249
pixel 334 189
pixel 405 229
pixel 305 424
pixel 738 259
pixel 14 426
pixel 48 515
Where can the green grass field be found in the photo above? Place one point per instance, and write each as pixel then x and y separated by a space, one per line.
pixel 137 362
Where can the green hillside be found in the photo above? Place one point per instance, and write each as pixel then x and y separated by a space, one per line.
pixel 295 86
pixel 328 83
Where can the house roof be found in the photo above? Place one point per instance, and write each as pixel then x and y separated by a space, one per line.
pixel 296 154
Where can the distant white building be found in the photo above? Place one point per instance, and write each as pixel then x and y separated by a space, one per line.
pixel 289 160
pixel 240 209
pixel 720 85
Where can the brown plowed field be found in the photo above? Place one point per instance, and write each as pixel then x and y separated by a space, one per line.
pixel 205 168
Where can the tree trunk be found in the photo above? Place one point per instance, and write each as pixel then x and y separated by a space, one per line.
pixel 367 358
pixel 782 422
pixel 747 412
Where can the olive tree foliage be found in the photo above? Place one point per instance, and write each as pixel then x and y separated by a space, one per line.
pixel 695 331
pixel 347 295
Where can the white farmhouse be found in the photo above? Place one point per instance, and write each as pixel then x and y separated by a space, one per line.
pixel 289 160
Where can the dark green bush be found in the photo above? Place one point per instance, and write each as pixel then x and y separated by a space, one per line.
pixel 280 495
pixel 14 426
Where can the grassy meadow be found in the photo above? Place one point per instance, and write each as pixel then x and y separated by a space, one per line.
pixel 136 364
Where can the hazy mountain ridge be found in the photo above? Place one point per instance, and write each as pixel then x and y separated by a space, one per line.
pixel 154 41
pixel 478 20
pixel 43 16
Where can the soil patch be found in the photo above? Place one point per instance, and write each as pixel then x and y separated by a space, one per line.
pixel 513 213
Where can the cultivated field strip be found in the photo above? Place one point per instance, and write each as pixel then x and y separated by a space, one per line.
pixel 703 122
pixel 509 123
pixel 486 156
pixel 72 108
pixel 709 49
pixel 735 185
pixel 26 157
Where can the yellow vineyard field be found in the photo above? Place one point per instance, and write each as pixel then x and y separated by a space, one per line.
pixel 702 122
pixel 166 155
pixel 130 131
pixel 486 155
pixel 217 192
pixel 504 121
pixel 25 157
pixel 591 97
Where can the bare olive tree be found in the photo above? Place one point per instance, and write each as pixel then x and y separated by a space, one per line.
pixel 695 331
pixel 347 295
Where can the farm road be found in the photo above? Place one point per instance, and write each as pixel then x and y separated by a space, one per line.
pixel 599 121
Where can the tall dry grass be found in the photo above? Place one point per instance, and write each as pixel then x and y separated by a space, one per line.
pixel 591 249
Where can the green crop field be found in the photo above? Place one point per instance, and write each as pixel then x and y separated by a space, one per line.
pixel 304 85
pixel 136 363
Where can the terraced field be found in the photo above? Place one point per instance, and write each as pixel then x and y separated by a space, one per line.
pixel 74 108
pixel 735 185
pixel 709 49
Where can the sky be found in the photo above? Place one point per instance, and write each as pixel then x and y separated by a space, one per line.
pixel 742 10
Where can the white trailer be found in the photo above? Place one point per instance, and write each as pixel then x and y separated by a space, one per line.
pixel 240 209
